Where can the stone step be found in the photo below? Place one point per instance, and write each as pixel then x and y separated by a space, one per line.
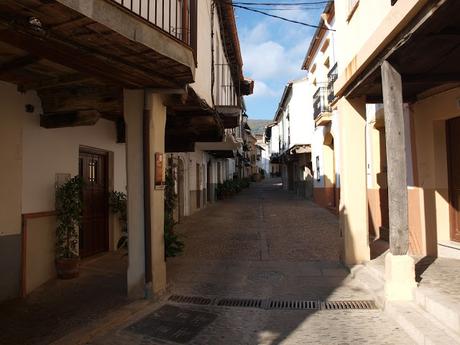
pixel 430 319
pixel 372 281
pixel 440 306
pixel 421 326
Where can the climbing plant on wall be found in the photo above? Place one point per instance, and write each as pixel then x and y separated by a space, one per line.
pixel 173 245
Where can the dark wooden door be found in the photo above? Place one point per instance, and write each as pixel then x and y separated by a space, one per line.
pixel 94 231
pixel 453 149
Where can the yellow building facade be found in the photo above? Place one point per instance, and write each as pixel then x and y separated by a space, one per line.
pixel 397 100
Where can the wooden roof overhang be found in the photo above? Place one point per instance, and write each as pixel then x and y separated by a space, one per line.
pixel 78 66
pixel 230 115
pixel 426 54
pixel 190 119
pixel 222 154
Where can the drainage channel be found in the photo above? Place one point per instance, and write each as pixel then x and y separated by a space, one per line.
pixel 270 304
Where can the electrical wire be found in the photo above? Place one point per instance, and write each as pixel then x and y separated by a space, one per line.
pixel 283 3
pixel 279 17
pixel 287 8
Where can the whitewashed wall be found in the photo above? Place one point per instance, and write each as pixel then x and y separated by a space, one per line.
pixel 47 152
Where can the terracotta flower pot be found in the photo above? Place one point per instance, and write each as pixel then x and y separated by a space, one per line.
pixel 67 268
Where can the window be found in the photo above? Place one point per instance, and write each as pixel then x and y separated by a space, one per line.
pixel 325 45
pixel 318 172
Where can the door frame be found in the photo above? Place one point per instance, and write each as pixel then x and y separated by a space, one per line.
pixel 109 187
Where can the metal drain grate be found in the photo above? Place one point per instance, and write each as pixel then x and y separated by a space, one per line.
pixel 343 305
pixel 236 302
pixel 190 300
pixel 293 305
pixel 275 304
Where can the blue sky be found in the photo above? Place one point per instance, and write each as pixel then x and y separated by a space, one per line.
pixel 273 52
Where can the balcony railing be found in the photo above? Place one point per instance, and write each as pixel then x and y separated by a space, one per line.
pixel 225 90
pixel 331 77
pixel 177 18
pixel 325 94
pixel 320 101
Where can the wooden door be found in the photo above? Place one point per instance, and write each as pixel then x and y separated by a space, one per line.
pixel 453 151
pixel 94 231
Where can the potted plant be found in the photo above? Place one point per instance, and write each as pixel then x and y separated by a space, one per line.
pixel 69 211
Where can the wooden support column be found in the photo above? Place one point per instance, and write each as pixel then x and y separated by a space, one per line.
pixel 399 267
pixel 396 161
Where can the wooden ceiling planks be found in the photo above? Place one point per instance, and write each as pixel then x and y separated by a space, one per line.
pixel 76 54
pixel 427 60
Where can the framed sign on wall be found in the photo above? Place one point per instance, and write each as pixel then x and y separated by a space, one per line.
pixel 159 171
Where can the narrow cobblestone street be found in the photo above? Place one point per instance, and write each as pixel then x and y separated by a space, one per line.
pixel 262 244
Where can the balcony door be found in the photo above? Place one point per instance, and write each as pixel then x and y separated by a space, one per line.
pixel 94 230
pixel 453 147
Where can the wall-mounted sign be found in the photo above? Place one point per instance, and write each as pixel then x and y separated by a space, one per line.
pixel 159 175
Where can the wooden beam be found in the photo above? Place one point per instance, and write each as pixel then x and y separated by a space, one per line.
pixel 428 78
pixel 50 83
pixel 18 63
pixel 396 159
pixel 174 145
pixel 70 119
pixel 104 99
pixel 81 58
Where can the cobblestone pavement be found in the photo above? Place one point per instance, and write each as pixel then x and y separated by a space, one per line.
pixel 441 275
pixel 268 244
pixel 62 306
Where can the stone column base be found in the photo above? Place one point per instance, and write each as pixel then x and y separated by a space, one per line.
pixel 399 277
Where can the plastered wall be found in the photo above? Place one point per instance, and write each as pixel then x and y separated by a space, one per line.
pixel 430 117
pixel 50 151
pixel 202 83
pixel 301 113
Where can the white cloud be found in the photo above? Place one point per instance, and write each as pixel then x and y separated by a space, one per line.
pixel 273 52
pixel 262 90
pixel 269 60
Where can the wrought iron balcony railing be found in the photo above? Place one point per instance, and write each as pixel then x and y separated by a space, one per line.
pixel 225 90
pixel 331 77
pixel 320 101
pixel 325 94
pixel 177 18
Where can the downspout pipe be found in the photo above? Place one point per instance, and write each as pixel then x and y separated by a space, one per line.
pixel 146 154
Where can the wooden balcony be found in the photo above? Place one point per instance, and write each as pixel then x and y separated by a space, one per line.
pixel 79 55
